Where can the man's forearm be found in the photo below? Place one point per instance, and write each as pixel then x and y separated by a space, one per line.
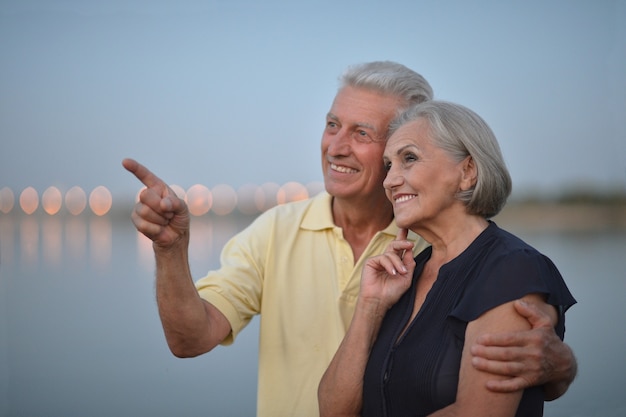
pixel 183 313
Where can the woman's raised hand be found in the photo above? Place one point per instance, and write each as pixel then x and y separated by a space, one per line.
pixel 386 277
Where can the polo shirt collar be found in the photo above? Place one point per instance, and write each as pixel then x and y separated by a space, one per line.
pixel 320 215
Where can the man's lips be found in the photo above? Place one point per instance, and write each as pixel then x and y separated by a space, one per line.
pixel 343 169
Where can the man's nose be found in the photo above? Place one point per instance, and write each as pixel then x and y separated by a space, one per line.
pixel 340 143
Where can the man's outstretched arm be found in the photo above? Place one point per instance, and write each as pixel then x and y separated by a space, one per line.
pixel 191 325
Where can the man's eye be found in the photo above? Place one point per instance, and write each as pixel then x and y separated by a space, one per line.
pixel 363 137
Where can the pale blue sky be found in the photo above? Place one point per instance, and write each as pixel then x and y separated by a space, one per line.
pixel 235 92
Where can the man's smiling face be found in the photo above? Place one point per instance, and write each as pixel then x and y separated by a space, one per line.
pixel 354 140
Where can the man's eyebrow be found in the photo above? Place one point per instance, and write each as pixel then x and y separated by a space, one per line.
pixel 365 125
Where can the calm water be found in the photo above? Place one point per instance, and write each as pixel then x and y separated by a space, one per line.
pixel 80 334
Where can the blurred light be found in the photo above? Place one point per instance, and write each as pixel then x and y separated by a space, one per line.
pixel 266 196
pixel 178 190
pixel 246 199
pixel 75 200
pixel 52 235
pixel 146 253
pixel 260 199
pixel 315 187
pixel 29 200
pixel 201 240
pixel 291 191
pixel 100 241
pixel 7 200
pixel 199 200
pixel 76 239
pixel 51 200
pixel 100 200
pixel 29 242
pixel 8 242
pixel 224 199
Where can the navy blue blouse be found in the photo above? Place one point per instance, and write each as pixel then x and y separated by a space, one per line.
pixel 418 374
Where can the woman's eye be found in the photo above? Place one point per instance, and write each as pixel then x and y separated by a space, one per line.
pixel 387 165
pixel 410 157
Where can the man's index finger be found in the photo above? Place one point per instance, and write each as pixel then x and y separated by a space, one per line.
pixel 142 173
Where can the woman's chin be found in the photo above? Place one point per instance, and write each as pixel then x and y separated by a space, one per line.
pixel 403 223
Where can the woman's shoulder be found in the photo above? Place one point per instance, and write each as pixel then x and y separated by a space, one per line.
pixel 509 269
pixel 508 241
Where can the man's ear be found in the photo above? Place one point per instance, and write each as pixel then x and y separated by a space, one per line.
pixel 470 174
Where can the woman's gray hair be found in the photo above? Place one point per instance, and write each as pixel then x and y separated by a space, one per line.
pixel 461 133
pixel 390 78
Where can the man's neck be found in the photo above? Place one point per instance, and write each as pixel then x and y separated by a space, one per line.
pixel 360 221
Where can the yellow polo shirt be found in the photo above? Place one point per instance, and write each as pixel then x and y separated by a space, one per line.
pixel 294 268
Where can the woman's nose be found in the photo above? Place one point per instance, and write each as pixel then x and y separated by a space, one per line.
pixel 392 179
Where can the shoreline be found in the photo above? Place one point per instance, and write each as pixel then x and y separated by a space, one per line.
pixel 523 216
pixel 553 217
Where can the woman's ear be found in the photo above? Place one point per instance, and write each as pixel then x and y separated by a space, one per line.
pixel 470 174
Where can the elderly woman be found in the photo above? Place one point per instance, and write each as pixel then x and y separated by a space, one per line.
pixel 406 352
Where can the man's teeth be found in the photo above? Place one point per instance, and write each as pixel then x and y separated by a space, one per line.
pixel 343 169
pixel 404 198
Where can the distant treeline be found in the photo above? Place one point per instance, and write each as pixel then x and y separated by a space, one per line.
pixel 615 196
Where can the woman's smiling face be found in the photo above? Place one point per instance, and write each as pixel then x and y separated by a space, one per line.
pixel 422 179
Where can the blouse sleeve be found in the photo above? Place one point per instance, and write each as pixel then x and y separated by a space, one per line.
pixel 509 277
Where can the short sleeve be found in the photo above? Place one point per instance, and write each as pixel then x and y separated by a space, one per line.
pixel 511 276
pixel 235 289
